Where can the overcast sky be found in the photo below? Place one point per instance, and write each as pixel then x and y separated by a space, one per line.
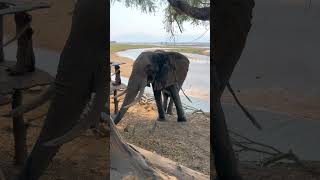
pixel 131 25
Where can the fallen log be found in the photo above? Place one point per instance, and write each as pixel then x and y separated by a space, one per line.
pixel 170 167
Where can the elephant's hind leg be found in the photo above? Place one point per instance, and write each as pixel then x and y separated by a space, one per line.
pixel 176 98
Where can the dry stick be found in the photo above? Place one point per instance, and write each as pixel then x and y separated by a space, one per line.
pixel 254 142
pixel 246 112
pixel 277 155
pixel 18 35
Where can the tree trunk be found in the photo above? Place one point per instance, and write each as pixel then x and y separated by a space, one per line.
pixel 232 22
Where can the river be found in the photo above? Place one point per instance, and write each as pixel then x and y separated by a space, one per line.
pixel 197 83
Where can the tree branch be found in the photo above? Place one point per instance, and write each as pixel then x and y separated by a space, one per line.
pixel 194 12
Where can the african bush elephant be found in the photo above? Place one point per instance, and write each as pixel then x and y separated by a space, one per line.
pixel 166 71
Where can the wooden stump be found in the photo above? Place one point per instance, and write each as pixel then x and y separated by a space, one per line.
pixel 116 102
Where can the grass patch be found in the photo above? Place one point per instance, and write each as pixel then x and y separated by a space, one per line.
pixel 192 50
pixel 122 47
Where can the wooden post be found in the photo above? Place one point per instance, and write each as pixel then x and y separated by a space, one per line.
pixel 1 35
pixel 116 102
pixel 116 83
pixel 25 55
pixel 19 131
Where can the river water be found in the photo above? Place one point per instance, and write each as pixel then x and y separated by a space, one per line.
pixel 197 83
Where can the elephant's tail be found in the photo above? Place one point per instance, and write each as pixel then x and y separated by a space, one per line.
pixel 246 112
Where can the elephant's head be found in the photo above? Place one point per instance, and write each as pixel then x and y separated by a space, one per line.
pixel 159 68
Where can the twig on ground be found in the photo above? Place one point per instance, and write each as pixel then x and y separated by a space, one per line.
pixel 275 155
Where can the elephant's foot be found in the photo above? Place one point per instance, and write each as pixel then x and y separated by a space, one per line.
pixel 161 119
pixel 182 119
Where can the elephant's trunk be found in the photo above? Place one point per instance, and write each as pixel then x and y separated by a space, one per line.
pixel 137 99
pixel 130 99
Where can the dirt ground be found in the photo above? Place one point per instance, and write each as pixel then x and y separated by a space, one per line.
pixel 186 143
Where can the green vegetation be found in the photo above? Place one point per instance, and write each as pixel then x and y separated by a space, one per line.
pixel 122 47
pixel 193 50
pixel 183 49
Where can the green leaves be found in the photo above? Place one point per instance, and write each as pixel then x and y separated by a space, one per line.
pixel 173 20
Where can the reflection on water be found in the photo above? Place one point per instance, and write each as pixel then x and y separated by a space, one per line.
pixel 197 83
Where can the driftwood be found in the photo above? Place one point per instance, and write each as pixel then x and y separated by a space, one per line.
pixel 128 163
pixel 169 166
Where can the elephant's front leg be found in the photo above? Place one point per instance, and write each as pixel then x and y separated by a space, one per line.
pixel 176 99
pixel 157 97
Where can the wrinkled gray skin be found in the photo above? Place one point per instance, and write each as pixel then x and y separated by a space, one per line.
pixel 166 71
pixel 79 93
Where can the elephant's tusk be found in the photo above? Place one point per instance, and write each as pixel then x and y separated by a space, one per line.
pixel 137 99
pixel 38 101
pixel 86 120
pixel 120 94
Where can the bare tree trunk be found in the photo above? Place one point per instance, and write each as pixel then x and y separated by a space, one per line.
pixel 232 22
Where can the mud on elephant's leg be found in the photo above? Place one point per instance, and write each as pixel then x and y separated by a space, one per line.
pixel 176 98
pixel 157 97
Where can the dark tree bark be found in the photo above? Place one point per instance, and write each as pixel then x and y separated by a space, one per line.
pixel 232 22
pixel 194 12
pixel 82 70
